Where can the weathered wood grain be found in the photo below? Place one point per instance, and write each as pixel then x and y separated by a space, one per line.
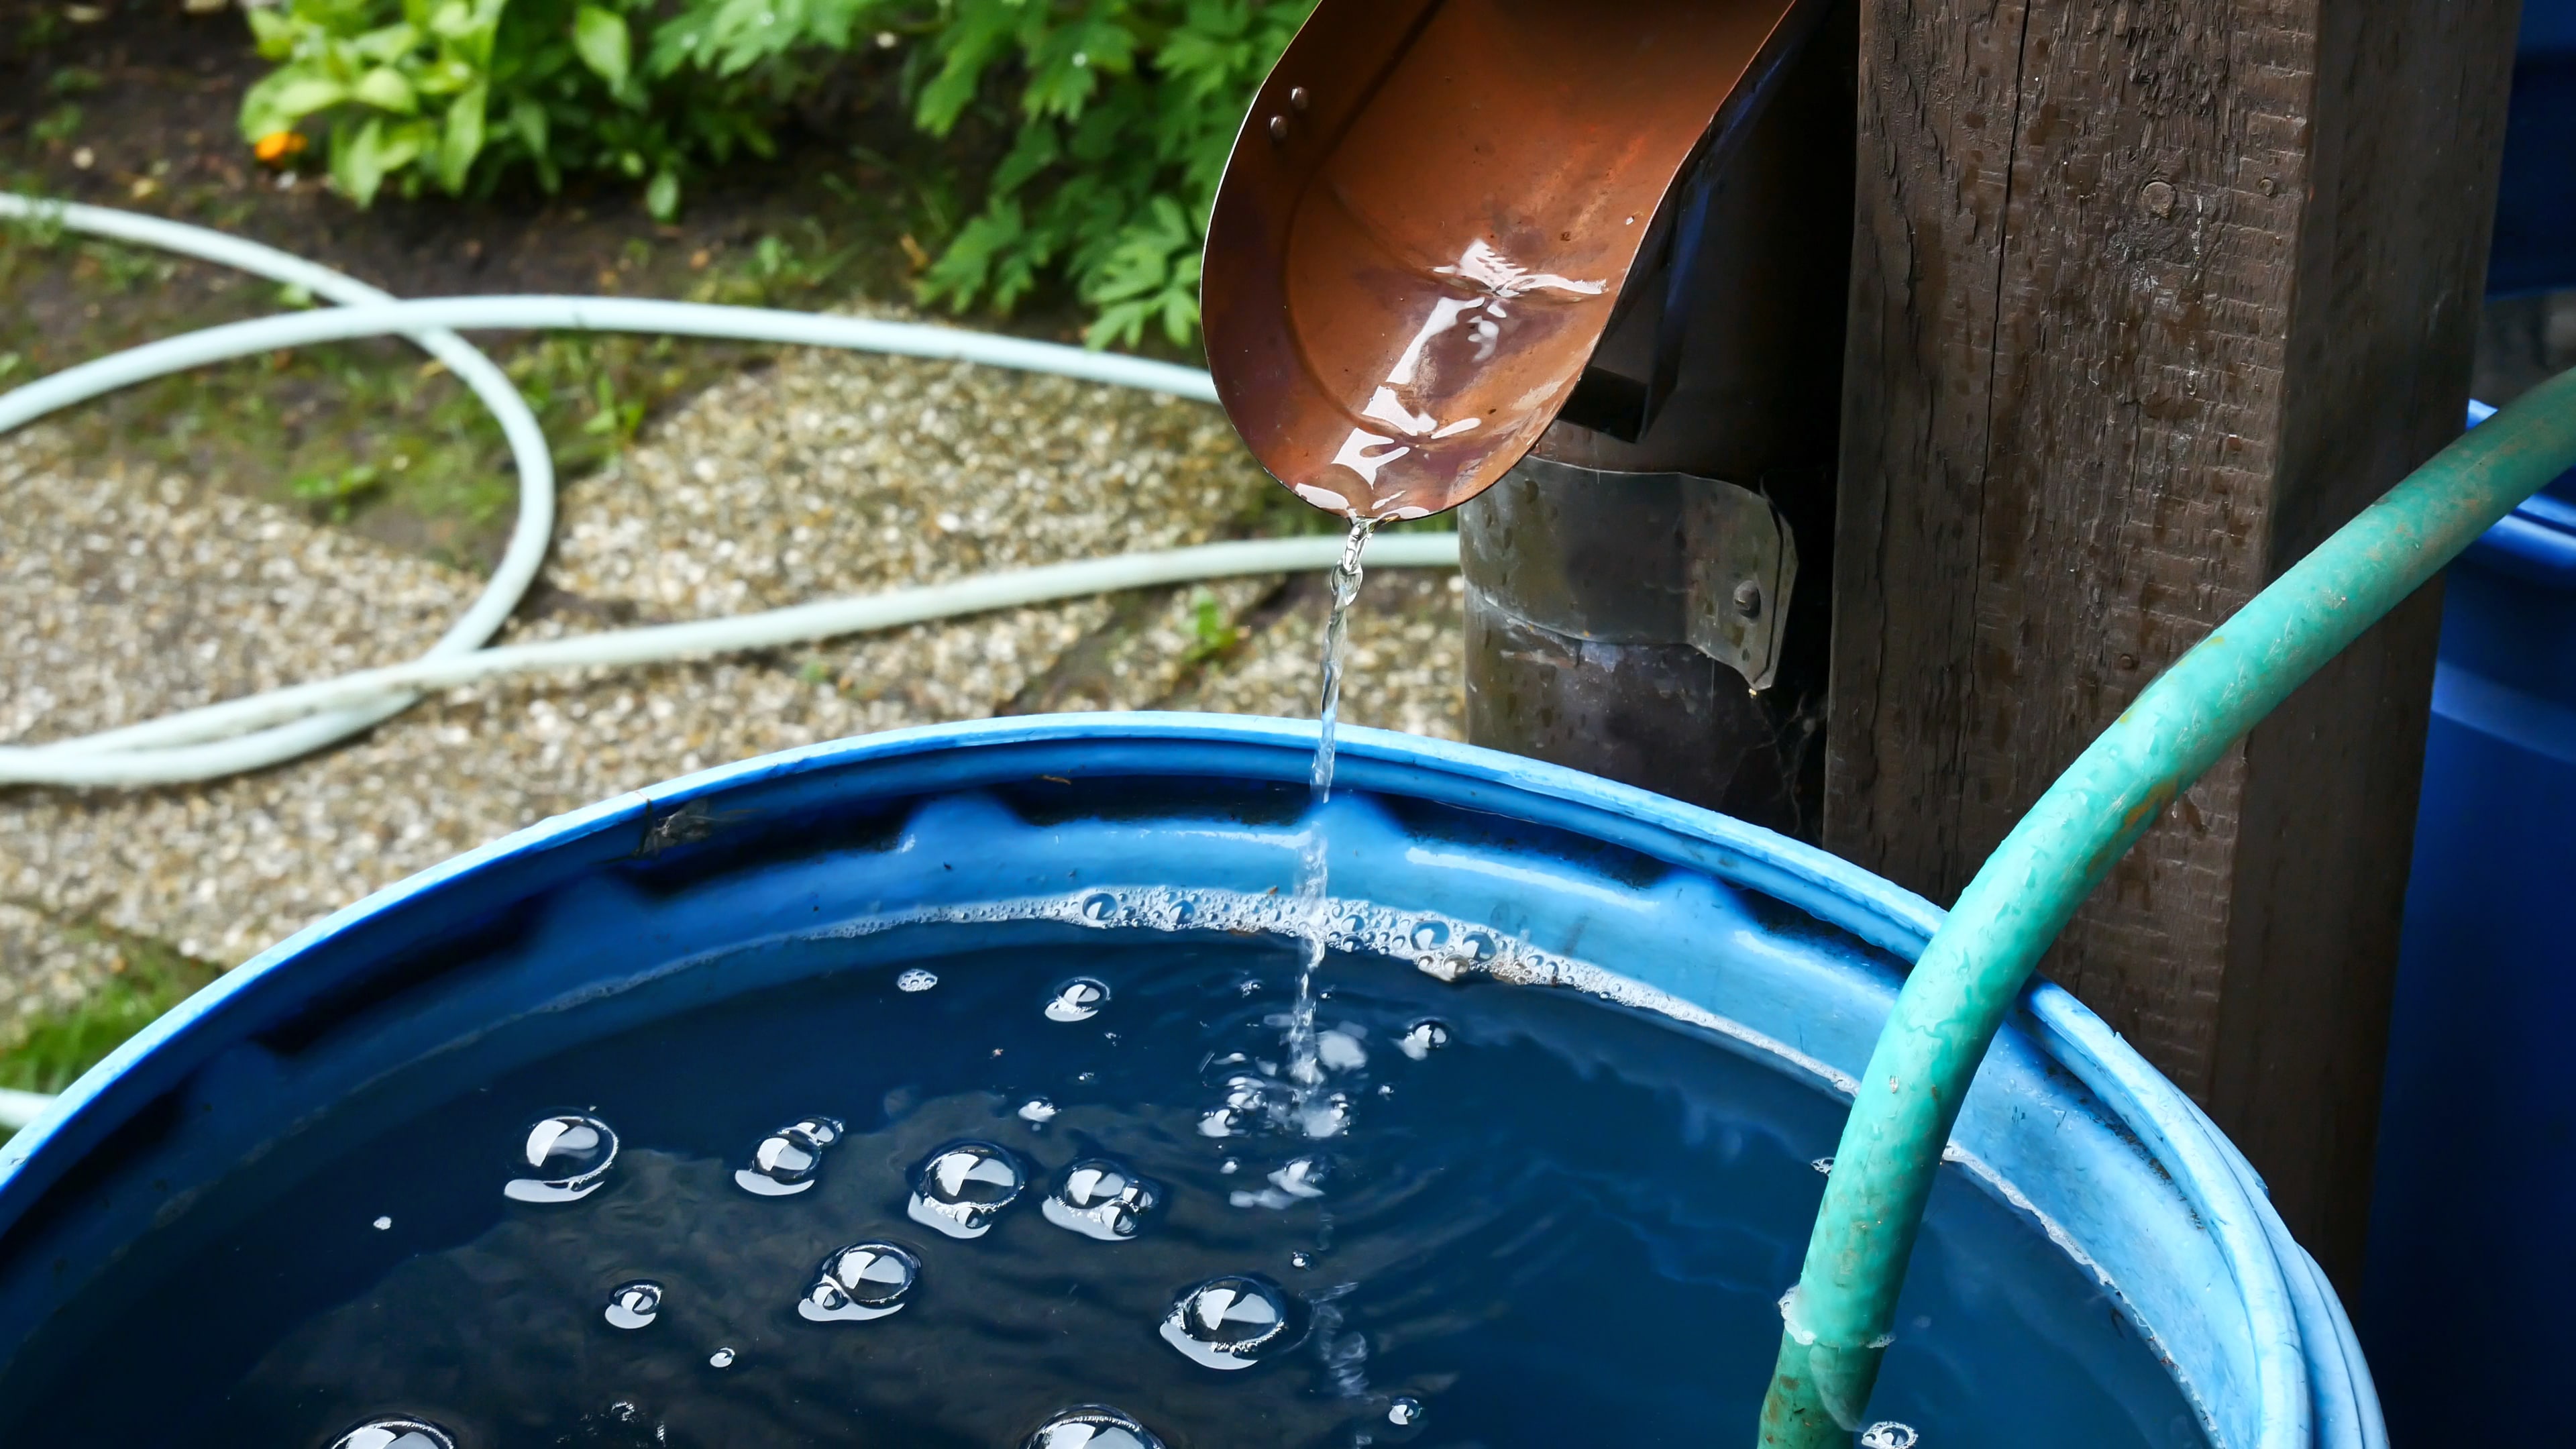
pixel 2148 298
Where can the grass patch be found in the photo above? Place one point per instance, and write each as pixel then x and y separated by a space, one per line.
pixel 58 1047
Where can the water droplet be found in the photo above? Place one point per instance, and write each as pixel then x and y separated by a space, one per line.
pixel 1404 1413
pixel 1301 1259
pixel 1099 906
pixel 383 1223
pixel 634 1305
pixel 916 979
pixel 786 1160
pixel 860 1282
pixel 1037 1111
pixel 721 1358
pixel 1423 1038
pixel 1229 1167
pixel 567 1158
pixel 1078 1000
pixel 1100 1199
pixel 1091 1426
pixel 960 1189
pixel 1887 1435
pixel 1230 1323
pixel 395 1434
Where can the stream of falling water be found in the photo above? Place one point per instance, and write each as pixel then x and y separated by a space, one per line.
pixel 1313 873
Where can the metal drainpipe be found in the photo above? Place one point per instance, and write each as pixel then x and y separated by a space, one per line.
pixel 1657 611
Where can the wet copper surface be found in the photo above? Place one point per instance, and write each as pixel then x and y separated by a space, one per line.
pixel 1429 217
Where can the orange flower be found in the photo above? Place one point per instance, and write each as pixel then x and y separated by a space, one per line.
pixel 276 146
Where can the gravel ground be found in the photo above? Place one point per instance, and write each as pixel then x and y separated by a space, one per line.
pixel 825 473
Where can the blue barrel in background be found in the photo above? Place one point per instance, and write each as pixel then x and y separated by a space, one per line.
pixel 2472 1265
pixel 2472 1262
pixel 2535 234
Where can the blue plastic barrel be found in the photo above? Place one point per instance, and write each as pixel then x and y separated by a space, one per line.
pixel 589 923
pixel 2472 1262
pixel 2535 235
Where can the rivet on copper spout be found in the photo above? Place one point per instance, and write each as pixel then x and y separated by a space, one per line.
pixel 1278 128
pixel 1297 97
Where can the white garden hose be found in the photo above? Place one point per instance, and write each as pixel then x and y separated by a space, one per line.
pixel 264 729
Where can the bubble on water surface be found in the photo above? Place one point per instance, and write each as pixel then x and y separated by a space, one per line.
pixel 1340 1050
pixel 1887 1435
pixel 1100 1199
pixel 916 979
pixel 566 1159
pixel 383 1224
pixel 721 1358
pixel 1037 1111
pixel 1230 1323
pixel 1423 1038
pixel 395 1434
pixel 1329 1117
pixel 960 1189
pixel 634 1305
pixel 1092 1426
pixel 1824 1165
pixel 860 1282
pixel 786 1160
pixel 1404 1412
pixel 1302 1179
pixel 1078 1000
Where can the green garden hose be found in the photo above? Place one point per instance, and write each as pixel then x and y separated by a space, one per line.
pixel 1836 1322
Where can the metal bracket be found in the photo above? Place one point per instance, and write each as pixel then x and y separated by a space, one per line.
pixel 1743 564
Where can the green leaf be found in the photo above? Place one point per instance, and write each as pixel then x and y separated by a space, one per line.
pixel 977 33
pixel 358 160
pixel 385 89
pixel 284 98
pixel 271 33
pixel 528 119
pixel 662 195
pixel 386 44
pixel 599 37
pixel 461 140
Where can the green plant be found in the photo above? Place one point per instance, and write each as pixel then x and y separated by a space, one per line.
pixel 1212 633
pixel 1127 110
pixel 462 93
pixel 57 1048
pixel 56 126
pixel 335 491
pixel 1121 114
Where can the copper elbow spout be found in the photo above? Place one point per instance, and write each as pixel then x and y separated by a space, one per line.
pixel 1434 213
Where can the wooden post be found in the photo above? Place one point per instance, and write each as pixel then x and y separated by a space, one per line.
pixel 2146 300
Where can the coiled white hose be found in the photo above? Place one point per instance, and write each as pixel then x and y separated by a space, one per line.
pixel 264 729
